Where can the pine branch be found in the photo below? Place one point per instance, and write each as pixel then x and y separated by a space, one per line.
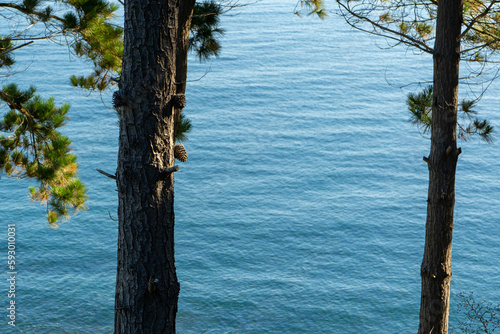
pixel 35 149
pixel 420 106
pixel 14 48
pixel 475 19
pixel 26 11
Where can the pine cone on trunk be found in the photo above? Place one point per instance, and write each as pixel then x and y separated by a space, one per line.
pixel 179 100
pixel 180 153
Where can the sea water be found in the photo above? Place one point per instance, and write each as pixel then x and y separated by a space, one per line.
pixel 301 208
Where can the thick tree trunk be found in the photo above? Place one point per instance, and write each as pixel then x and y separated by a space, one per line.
pixel 436 264
pixel 147 288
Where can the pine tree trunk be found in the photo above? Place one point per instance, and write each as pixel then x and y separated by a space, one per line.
pixel 436 264
pixel 147 288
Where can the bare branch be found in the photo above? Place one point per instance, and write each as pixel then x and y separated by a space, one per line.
pixel 33 38
pixel 391 33
pixel 106 174
pixel 25 11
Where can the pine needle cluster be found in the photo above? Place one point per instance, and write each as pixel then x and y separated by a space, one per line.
pixel 6 59
pixel 312 7
pixel 96 39
pixel 469 125
pixel 205 31
pixel 182 129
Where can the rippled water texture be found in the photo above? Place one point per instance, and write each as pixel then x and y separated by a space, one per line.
pixel 301 208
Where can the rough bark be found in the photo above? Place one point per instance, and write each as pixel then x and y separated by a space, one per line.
pixel 184 27
pixel 147 288
pixel 436 264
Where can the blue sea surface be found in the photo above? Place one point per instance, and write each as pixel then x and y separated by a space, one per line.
pixel 301 208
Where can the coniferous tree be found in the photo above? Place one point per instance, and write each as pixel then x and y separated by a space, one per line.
pixel 151 100
pixel 451 31
pixel 151 96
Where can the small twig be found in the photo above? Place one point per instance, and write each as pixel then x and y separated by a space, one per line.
pixel 106 174
pixel 199 79
pixel 115 220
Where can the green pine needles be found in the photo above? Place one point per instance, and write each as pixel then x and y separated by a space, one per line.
pixel 182 128
pixel 97 40
pixel 31 146
pixel 6 60
pixel 205 30
pixel 420 107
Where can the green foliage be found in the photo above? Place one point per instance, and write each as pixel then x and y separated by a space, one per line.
pixel 31 146
pixel 85 27
pixel 182 128
pixel 97 40
pixel 423 29
pixel 420 107
pixel 205 30
pixel 404 27
pixel 385 17
pixel 204 42
pixel 5 58
pixel 30 5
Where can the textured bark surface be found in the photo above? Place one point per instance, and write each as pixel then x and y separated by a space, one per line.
pixel 147 288
pixel 436 264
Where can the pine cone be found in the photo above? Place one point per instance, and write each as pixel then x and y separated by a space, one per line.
pixel 119 99
pixel 179 100
pixel 180 153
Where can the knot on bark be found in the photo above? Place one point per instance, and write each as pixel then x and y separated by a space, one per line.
pixel 152 284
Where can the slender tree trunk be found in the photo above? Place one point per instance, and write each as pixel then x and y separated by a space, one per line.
pixel 436 264
pixel 147 289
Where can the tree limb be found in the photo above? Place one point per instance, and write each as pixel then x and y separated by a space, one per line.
pixel 403 37
pixel 111 176
pixel 15 48
pixel 27 12
pixel 165 173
